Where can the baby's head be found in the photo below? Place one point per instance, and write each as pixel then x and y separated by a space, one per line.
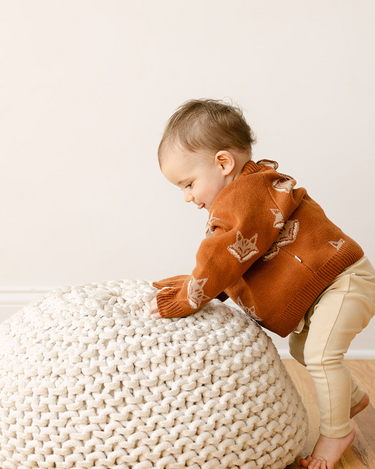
pixel 205 145
pixel 207 125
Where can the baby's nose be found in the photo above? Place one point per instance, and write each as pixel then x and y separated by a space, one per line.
pixel 188 197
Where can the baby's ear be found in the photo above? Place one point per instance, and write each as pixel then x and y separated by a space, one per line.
pixel 226 161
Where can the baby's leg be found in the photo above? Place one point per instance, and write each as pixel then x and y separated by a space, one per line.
pixel 356 409
pixel 359 398
pixel 340 314
pixel 359 401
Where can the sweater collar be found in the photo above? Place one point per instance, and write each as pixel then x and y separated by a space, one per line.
pixel 252 167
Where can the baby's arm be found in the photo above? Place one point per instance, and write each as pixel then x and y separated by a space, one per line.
pixel 179 280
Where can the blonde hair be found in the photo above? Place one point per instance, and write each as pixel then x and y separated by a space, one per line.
pixel 207 124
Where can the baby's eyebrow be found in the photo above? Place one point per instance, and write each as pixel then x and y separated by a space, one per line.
pixel 183 182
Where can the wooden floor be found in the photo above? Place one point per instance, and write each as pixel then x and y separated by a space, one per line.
pixel 361 455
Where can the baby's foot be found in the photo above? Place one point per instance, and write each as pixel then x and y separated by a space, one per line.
pixel 360 406
pixel 327 452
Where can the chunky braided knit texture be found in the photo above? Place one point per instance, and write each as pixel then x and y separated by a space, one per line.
pixel 88 379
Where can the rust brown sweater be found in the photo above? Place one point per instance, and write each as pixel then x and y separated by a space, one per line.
pixel 270 248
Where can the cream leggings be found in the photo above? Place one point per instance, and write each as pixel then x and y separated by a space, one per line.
pixel 324 336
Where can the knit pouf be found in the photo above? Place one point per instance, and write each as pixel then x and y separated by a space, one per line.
pixel 89 379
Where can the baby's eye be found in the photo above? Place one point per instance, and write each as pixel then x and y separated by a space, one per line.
pixel 188 185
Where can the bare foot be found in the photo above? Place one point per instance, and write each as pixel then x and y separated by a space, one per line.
pixel 327 452
pixel 360 406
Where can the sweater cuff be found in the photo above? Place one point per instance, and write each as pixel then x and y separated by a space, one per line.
pixel 168 307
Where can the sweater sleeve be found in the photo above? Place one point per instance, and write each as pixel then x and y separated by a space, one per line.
pixel 173 282
pixel 178 281
pixel 241 235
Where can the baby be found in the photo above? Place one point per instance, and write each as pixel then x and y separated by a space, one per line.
pixel 272 250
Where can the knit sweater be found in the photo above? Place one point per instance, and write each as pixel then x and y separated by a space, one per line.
pixel 270 248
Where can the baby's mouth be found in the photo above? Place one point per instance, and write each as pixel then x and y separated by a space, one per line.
pixel 200 206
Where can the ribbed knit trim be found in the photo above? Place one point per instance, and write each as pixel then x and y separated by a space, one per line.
pixel 250 167
pixel 291 316
pixel 167 303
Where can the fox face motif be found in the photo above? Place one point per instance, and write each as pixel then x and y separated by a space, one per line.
pixel 337 244
pixel 286 236
pixel 210 225
pixel 249 311
pixel 244 249
pixel 195 292
pixel 284 186
pixel 279 219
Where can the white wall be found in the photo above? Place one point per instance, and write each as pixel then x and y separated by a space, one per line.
pixel 86 87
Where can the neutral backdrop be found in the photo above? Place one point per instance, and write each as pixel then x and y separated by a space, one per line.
pixel 86 87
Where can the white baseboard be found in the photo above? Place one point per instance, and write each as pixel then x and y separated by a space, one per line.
pixel 362 347
pixel 350 355
pixel 13 295
pixel 13 299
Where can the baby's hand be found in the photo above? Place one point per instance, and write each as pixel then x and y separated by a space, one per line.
pixel 153 311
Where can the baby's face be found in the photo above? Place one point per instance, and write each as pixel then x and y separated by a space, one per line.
pixel 199 176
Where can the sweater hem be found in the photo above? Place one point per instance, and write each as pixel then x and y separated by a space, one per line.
pixel 322 278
